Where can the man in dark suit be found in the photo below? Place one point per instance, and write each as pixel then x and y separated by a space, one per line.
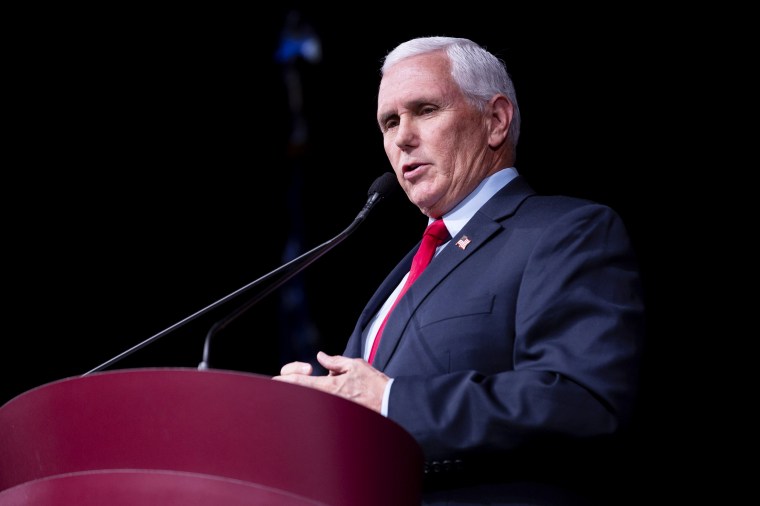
pixel 514 358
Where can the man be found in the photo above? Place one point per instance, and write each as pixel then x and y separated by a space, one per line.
pixel 514 358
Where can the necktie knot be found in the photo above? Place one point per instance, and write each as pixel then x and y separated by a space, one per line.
pixel 435 234
pixel 438 230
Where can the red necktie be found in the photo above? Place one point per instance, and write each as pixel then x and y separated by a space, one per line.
pixel 435 235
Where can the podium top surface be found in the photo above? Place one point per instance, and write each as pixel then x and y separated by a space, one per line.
pixel 217 423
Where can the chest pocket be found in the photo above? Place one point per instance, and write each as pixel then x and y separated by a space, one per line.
pixel 457 308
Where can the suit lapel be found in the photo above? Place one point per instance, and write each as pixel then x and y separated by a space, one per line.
pixel 482 227
pixel 460 248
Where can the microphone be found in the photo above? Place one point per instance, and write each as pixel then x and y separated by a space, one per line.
pixel 380 188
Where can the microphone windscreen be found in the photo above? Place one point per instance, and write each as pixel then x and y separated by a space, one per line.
pixel 384 185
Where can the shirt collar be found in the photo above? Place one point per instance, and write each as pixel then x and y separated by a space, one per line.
pixel 458 217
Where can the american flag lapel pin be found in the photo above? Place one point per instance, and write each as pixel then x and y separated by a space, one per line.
pixel 463 242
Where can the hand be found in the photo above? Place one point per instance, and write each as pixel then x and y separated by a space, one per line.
pixel 351 378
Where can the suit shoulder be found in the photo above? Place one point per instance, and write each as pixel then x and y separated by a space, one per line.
pixel 555 206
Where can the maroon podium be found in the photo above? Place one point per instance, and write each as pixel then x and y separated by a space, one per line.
pixel 175 436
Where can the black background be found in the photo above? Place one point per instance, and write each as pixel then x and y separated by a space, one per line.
pixel 151 172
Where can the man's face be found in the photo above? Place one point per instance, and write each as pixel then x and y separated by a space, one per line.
pixel 436 141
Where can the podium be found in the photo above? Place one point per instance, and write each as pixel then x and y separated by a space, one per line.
pixel 175 436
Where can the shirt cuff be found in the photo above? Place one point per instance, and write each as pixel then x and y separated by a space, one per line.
pixel 386 396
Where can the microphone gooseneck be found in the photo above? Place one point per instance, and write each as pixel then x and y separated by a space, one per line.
pixel 380 188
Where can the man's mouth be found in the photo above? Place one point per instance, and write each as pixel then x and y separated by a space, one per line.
pixel 410 168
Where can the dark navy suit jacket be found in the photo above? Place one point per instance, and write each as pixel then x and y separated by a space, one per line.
pixel 518 348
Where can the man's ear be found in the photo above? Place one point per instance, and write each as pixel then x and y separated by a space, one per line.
pixel 501 118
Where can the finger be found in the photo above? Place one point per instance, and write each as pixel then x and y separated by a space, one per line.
pixel 301 379
pixel 296 379
pixel 336 364
pixel 296 368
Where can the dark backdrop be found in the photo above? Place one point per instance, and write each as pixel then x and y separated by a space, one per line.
pixel 153 171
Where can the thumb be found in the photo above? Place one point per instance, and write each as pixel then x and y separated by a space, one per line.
pixel 330 362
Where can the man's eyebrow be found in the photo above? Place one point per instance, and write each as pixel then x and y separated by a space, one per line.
pixel 385 117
